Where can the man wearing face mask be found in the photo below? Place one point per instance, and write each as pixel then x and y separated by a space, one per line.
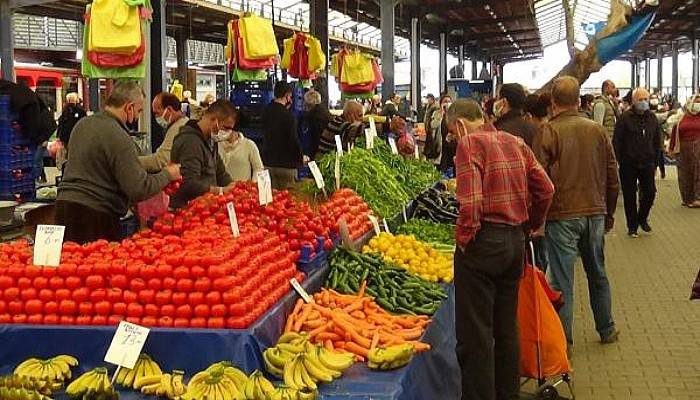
pixel 202 169
pixel 509 113
pixel 637 143
pixel 281 152
pixel 166 108
pixel 240 155
pixel 605 109
pixel 103 175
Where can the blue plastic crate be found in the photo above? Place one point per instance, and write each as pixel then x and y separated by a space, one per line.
pixel 15 181
pixel 20 196
pixel 11 133
pixel 16 157
pixel 251 97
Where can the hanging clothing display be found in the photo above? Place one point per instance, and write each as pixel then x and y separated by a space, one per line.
pixel 357 73
pixel 243 66
pixel 258 37
pixel 303 57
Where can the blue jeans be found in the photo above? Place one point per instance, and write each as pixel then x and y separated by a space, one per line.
pixel 566 240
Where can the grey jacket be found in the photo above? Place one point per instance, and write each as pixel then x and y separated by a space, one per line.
pixel 200 165
pixel 103 170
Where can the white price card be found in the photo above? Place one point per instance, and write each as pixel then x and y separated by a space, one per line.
pixel 304 295
pixel 264 186
pixel 316 172
pixel 415 152
pixel 403 211
pixel 233 219
pixel 392 144
pixel 375 224
pixel 338 145
pixel 369 139
pixel 127 344
pixel 386 226
pixel 48 245
pixel 337 171
pixel 372 126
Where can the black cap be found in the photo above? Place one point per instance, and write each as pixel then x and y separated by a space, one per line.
pixel 430 96
pixel 514 93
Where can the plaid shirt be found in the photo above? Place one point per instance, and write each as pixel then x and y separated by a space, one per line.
pixel 500 181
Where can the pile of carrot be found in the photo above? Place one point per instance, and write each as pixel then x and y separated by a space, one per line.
pixel 354 323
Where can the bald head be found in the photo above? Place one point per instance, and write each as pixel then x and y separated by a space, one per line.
pixel 566 92
pixel 353 111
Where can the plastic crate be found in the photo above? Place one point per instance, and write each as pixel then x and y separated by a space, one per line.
pixel 20 196
pixel 252 97
pixel 13 181
pixel 16 157
pixel 254 85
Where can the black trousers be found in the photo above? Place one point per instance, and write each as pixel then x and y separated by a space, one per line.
pixel 487 274
pixel 635 179
pixel 84 224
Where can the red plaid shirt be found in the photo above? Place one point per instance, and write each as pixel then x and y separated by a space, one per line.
pixel 498 180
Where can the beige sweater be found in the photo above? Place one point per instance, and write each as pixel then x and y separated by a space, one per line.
pixel 157 161
pixel 242 159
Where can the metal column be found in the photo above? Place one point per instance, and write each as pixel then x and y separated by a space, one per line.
pixel 387 27
pixel 159 80
pixel 182 56
pixel 318 23
pixel 415 63
pixel 674 70
pixel 635 73
pixel 146 117
pixel 460 60
pixel 7 46
pixel 443 62
pixel 659 70
pixel 696 64
pixel 647 73
pixel 475 71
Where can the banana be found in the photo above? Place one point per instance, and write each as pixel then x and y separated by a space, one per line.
pixel 237 376
pixel 26 364
pixel 155 368
pixel 129 377
pixel 62 366
pixel 288 337
pixel 294 348
pixel 147 380
pixel 249 389
pixel 316 370
pixel 79 386
pixel 266 386
pixel 307 395
pixel 70 360
pixel 335 361
pixel 288 375
pixel 276 357
pixel 271 368
pixel 307 380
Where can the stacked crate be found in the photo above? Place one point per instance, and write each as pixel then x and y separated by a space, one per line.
pixel 16 158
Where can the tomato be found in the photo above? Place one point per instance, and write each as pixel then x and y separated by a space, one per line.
pixel 165 322
pixel 198 323
pixel 50 319
pixel 95 281
pixel 154 284
pixel 169 283
pixel 119 308
pixel 23 282
pixel 181 323
pixel 218 310
pixel 114 295
pixel 3 307
pixel 201 310
pixel 113 320
pixel 183 311
pixel 51 307
pixel 134 320
pixel 73 282
pixel 130 297
pixel 83 270
pixel 179 298
pixel 151 310
pixel 167 310
pixel 202 284
pixel 98 295
pixel 235 323
pixel 236 309
pixel 195 298
pixel 149 321
pixel 84 320
pixel 216 323
pixel 34 306
pixel 213 298
pixel 103 307
pixel 19 319
pixel 11 293
pixel 119 281
pixel 7 282
pixel 86 308
pixel 80 295
pixel 67 307
pixel 28 294
pixel 133 271
pixel 198 272
pixel 15 307
pixel 185 285
pixel 62 294
pixel 99 320
pixel 223 284
pixel 146 296
pixel 134 310
pixel 38 283
pixel 163 297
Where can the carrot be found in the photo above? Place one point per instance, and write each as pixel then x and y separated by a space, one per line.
pixel 292 316
pixel 322 328
pixel 339 345
pixel 354 306
pixel 306 310
pixel 375 339
pixel 326 336
pixel 357 349
pixel 324 311
pixel 326 297
pixel 361 292
pixel 313 323
pixel 314 314
pixel 410 334
pixel 420 346
pixel 359 315
pixel 356 337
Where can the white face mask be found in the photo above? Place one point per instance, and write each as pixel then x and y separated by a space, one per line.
pixel 695 108
pixel 222 134
pixel 162 121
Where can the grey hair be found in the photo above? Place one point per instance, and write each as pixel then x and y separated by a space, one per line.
pixel 125 91
pixel 312 98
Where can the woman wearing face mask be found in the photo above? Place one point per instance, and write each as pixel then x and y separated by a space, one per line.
pixel 202 169
pixel 166 109
pixel 241 157
pixel 685 143
pixel 438 125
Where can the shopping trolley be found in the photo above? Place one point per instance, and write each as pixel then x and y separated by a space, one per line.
pixel 543 344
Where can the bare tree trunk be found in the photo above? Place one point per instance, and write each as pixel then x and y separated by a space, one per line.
pixel 585 62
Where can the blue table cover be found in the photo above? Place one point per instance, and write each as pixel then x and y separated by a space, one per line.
pixel 431 375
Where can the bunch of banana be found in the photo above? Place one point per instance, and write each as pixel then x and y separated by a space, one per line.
pixel 258 387
pixel 93 385
pixel 214 384
pixel 285 393
pixel 12 386
pixel 171 386
pixel 391 357
pixel 55 370
pixel 321 364
pixel 236 375
pixel 145 366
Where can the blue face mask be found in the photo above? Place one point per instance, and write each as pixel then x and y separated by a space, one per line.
pixel 642 106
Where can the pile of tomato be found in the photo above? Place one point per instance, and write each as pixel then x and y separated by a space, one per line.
pixel 347 205
pixel 202 279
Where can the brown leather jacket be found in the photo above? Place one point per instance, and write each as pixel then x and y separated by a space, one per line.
pixel 579 158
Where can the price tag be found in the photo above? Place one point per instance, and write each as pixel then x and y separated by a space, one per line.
pixel 403 211
pixel 369 139
pixel 338 145
pixel 233 219
pixel 337 171
pixel 375 224
pixel 316 172
pixel 127 344
pixel 415 152
pixel 386 226
pixel 264 187
pixel 301 291
pixel 392 144
pixel 372 126
pixel 48 245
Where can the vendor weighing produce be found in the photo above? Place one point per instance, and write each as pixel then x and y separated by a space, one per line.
pixel 103 174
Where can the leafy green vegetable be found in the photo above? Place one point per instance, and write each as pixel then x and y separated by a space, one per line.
pixel 428 231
